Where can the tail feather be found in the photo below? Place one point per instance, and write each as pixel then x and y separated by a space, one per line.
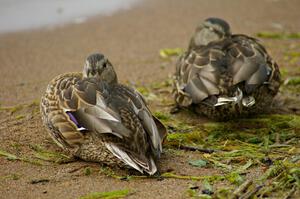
pixel 132 160
pixel 226 100
pixel 246 101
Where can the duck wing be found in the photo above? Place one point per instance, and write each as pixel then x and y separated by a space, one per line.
pixel 57 101
pixel 119 116
pixel 198 74
pixel 218 67
pixel 131 100
pixel 249 62
pixel 69 97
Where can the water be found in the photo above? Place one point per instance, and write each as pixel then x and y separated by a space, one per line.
pixel 16 15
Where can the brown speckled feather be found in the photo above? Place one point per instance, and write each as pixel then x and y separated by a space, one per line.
pixel 94 119
pixel 58 96
pixel 237 65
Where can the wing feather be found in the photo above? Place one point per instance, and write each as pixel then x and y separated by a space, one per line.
pixel 81 109
pixel 214 69
pixel 136 102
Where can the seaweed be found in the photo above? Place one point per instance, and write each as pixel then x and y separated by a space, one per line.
pixel 210 178
pixel 162 116
pixel 13 176
pixel 12 109
pixel 239 145
pixel 45 155
pixel 108 195
pixel 169 52
pixel 87 171
pixel 253 157
pixel 274 35
pixel 294 81
pixel 18 107
pixel 13 157
pixel 19 117
pixel 198 163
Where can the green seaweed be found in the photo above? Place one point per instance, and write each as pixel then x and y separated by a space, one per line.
pixel 211 178
pixel 177 139
pixel 13 157
pixel 272 171
pixel 8 156
pixel 13 176
pixel 292 54
pixel 108 195
pixel 284 72
pixel 169 52
pixel 12 109
pixel 293 81
pixel 240 146
pixel 110 173
pixel 221 165
pixel 244 167
pixel 243 134
pixel 162 116
pixel 50 156
pixel 207 186
pixel 166 84
pixel 147 94
pixel 270 35
pixel 223 193
pixel 198 163
pixel 274 35
pixel 18 107
pixel 19 117
pixel 294 35
pixel 34 103
pixel 87 171
pixel 282 176
pixel 235 178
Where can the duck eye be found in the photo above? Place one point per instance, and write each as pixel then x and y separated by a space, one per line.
pixel 104 65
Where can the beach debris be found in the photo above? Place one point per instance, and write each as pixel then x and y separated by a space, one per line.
pixel 170 52
pixel 39 181
pixel 240 190
pixel 13 157
pixel 87 171
pixel 108 195
pixel 267 144
pixel 292 81
pixel 198 163
pixel 45 155
pixel 207 188
pixel 275 35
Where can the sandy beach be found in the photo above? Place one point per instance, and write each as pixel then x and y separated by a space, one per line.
pixel 131 39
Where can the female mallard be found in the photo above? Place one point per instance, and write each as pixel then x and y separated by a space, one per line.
pixel 96 119
pixel 223 75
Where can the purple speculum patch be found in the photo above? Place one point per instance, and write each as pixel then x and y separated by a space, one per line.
pixel 74 120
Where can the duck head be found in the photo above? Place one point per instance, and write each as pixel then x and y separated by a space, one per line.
pixel 212 29
pixel 97 66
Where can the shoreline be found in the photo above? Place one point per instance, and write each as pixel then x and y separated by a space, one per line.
pixel 22 15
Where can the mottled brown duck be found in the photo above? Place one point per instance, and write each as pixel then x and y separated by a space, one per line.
pixel 93 117
pixel 224 75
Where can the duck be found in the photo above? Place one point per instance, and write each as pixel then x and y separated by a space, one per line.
pixel 94 118
pixel 223 75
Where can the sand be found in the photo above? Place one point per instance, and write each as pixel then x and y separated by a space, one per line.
pixel 131 39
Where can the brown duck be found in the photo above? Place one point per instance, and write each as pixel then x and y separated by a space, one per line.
pixel 95 118
pixel 224 75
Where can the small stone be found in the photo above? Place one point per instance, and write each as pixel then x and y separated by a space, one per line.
pixel 207 192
